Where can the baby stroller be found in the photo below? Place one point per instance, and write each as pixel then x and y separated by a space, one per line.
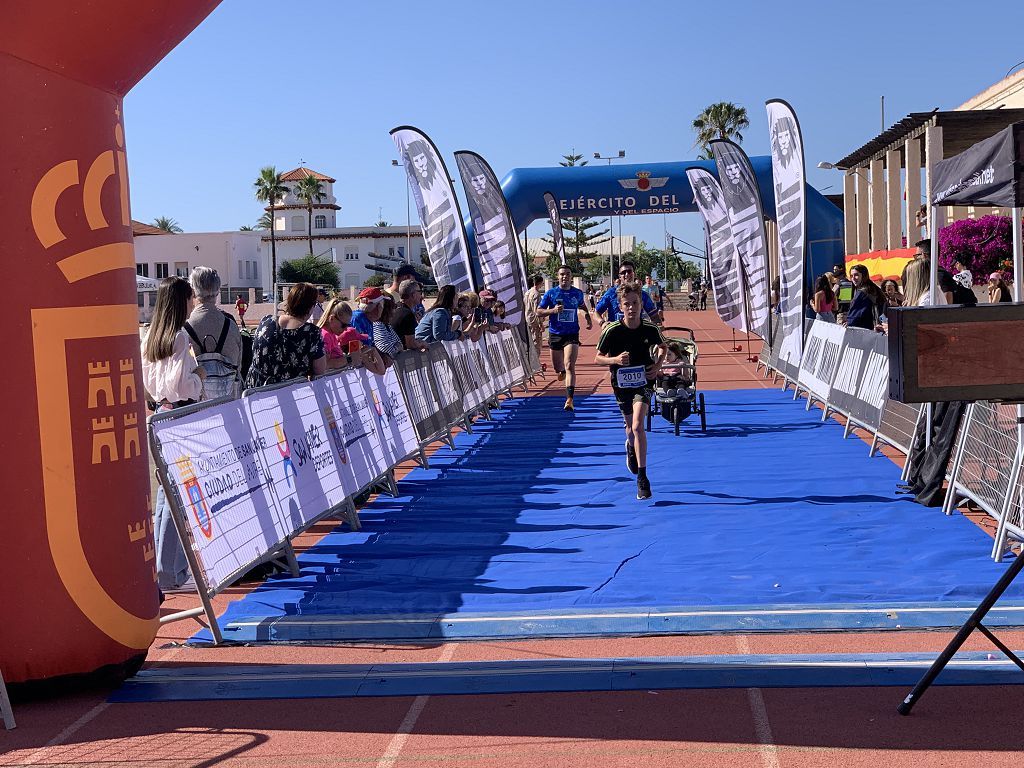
pixel 675 389
pixel 694 304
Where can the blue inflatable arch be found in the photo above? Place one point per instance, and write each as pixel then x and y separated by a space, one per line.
pixel 603 190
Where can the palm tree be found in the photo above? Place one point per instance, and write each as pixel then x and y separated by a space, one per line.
pixel 309 189
pixel 246 228
pixel 167 224
pixel 723 120
pixel 266 221
pixel 270 189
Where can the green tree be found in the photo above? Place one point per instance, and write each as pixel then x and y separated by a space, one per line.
pixel 309 190
pixel 270 190
pixel 722 120
pixel 310 269
pixel 577 234
pixel 266 222
pixel 246 228
pixel 376 280
pixel 648 260
pixel 167 224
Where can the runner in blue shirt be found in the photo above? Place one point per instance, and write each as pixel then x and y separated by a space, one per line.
pixel 609 302
pixel 561 305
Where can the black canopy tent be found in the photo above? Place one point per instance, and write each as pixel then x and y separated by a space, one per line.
pixel 989 173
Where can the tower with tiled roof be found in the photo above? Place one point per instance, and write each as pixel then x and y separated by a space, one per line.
pixel 290 213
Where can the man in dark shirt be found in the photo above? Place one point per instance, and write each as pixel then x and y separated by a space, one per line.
pixel 626 347
pixel 403 320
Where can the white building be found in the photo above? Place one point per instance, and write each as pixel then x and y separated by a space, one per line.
pixel 351 248
pixel 239 257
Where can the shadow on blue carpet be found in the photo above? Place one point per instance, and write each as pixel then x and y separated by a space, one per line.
pixel 769 520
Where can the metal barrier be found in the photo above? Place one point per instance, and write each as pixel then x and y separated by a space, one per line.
pixel 897 426
pixel 986 467
pixel 243 477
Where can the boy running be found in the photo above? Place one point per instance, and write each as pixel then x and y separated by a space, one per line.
pixel 560 305
pixel 626 345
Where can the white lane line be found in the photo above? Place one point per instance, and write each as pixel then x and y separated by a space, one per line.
pixel 67 733
pixel 92 714
pixel 391 754
pixel 762 726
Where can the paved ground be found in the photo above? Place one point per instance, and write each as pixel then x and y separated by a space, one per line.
pixel 767 728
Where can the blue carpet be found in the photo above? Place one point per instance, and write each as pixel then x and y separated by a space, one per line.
pixel 769 520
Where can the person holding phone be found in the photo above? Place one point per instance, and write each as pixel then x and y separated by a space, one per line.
pixel 561 306
pixel 626 347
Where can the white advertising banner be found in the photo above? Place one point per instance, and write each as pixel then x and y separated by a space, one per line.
pixel 746 221
pixel 723 263
pixel 494 359
pixel 513 357
pixel 350 399
pixel 821 357
pixel 218 472
pixel 297 451
pixel 497 247
pixel 438 208
pixel 471 376
pixel 790 206
pixel 394 425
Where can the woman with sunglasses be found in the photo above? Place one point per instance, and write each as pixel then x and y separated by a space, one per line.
pixel 610 300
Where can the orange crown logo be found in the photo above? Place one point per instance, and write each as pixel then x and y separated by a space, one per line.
pixel 66 175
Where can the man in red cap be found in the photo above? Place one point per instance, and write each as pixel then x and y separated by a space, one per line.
pixel 370 304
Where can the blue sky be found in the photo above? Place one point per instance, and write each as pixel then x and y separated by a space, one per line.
pixel 522 83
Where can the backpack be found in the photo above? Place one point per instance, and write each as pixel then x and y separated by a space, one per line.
pixel 221 374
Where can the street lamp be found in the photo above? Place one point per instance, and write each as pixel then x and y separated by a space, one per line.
pixel 408 226
pixel 611 258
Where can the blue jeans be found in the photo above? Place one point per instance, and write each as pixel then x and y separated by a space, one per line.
pixel 828 317
pixel 171 565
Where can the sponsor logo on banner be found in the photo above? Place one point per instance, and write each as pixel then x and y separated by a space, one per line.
pixel 286 452
pixel 339 441
pixel 746 219
pixel 643 182
pixel 724 264
pixel 194 494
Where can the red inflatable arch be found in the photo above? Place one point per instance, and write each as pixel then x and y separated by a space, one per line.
pixel 78 580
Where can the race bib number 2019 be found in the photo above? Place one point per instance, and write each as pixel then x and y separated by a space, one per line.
pixel 631 377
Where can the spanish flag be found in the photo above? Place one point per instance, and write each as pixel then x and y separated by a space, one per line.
pixel 883 265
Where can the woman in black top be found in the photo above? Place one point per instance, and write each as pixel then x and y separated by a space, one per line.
pixel 288 346
pixel 868 301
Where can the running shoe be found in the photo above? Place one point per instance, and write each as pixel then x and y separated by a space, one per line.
pixel 643 488
pixel 561 375
pixel 569 405
pixel 631 463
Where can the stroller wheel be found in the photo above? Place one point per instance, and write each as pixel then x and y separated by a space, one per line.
pixel 676 419
pixel 703 414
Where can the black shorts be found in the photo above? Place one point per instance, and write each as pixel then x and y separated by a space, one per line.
pixel 557 342
pixel 626 397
